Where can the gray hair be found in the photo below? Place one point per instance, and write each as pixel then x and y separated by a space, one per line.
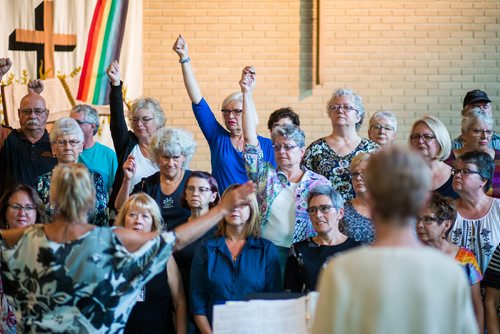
pixel 290 132
pixel 326 190
pixel 234 96
pixel 173 142
pixel 386 114
pixel 65 127
pixel 356 99
pixel 476 115
pixel 90 114
pixel 151 104
pixel 440 131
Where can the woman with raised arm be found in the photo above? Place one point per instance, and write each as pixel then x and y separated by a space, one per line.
pixel 225 142
pixel 146 117
pixel 83 278
pixel 282 191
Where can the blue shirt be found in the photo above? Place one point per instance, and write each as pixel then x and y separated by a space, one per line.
pixel 228 166
pixel 215 278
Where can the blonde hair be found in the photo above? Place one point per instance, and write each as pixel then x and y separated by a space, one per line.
pixel 72 191
pixel 253 223
pixel 440 132
pixel 234 96
pixel 359 159
pixel 141 201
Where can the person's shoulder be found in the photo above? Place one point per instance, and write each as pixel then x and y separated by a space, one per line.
pixel 318 142
pixel 368 145
pixel 104 149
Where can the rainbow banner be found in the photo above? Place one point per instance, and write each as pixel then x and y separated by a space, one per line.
pixel 104 44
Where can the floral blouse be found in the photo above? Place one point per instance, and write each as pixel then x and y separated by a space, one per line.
pixel 7 315
pixel 270 182
pixel 322 159
pixel 99 216
pixel 88 285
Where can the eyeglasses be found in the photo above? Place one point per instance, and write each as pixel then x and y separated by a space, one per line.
pixel 344 107
pixel 356 174
pixel 83 122
pixel 28 111
pixel 202 190
pixel 324 208
pixel 286 147
pixel 479 132
pixel 29 209
pixel 144 119
pixel 464 171
pixel 235 112
pixel 63 143
pixel 426 137
pixel 428 220
pixel 379 127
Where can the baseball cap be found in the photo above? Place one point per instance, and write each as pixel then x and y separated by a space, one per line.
pixel 474 96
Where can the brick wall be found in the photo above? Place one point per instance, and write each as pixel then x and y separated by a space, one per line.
pixel 413 57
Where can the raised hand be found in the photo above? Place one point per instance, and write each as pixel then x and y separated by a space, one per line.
pixel 129 167
pixel 180 47
pixel 248 79
pixel 5 64
pixel 238 196
pixel 113 73
pixel 35 86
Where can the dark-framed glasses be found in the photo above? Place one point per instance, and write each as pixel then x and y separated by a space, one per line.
pixel 479 132
pixel 143 119
pixel 63 143
pixel 323 208
pixel 344 107
pixel 286 147
pixel 29 111
pixel 426 137
pixel 235 112
pixel 29 209
pixel 428 220
pixel 83 122
pixel 192 189
pixel 354 175
pixel 464 171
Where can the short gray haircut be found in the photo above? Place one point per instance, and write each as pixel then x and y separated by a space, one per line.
pixel 356 99
pixel 90 114
pixel 234 96
pixel 440 131
pixel 173 142
pixel 151 104
pixel 65 127
pixel 326 190
pixel 476 115
pixel 290 132
pixel 385 114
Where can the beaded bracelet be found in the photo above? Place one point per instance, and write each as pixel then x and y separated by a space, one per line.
pixel 184 60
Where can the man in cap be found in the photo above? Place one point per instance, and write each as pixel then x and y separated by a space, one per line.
pixel 477 99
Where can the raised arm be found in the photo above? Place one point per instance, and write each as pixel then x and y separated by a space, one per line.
pixel 193 89
pixel 249 117
pixel 129 169
pixel 5 64
pixel 35 86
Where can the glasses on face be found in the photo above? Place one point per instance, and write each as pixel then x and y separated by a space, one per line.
pixel 379 127
pixel 63 143
pixel 426 137
pixel 192 189
pixel 464 171
pixel 83 122
pixel 344 107
pixel 324 208
pixel 28 209
pixel 36 111
pixel 175 158
pixel 479 132
pixel 144 120
pixel 355 175
pixel 235 112
pixel 428 220
pixel 286 147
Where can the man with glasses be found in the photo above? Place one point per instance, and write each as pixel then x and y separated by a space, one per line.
pixel 26 152
pixel 96 156
pixel 477 99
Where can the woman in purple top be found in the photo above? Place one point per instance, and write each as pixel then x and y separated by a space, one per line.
pixel 226 143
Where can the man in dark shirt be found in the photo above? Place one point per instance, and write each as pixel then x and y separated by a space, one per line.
pixel 26 152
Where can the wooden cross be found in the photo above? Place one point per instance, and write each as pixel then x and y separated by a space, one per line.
pixel 43 40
